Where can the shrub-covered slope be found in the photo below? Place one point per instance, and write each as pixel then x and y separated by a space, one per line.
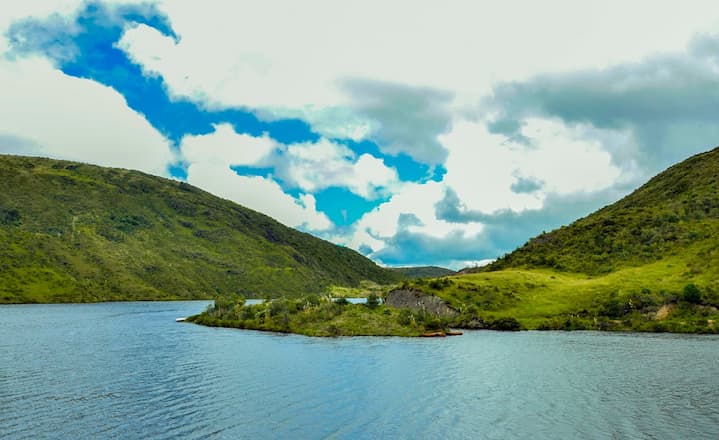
pixel 77 232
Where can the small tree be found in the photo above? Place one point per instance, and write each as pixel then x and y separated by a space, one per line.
pixel 278 307
pixel 372 301
pixel 692 294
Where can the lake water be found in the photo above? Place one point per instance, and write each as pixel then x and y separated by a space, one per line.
pixel 127 370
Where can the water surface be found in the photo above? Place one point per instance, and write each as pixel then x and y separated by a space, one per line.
pixel 127 370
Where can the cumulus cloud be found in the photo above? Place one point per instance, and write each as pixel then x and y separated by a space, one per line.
pixel 227 147
pixel 491 172
pixel 316 166
pixel 308 166
pixel 44 112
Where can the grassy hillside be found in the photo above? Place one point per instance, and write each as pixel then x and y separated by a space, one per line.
pixel 674 214
pixel 76 232
pixel 648 262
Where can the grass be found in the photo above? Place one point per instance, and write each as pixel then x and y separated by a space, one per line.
pixel 364 289
pixel 627 299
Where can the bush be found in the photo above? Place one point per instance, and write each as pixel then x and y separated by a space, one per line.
pixel 614 309
pixel 505 324
pixel 405 317
pixel 9 216
pixel 278 307
pixel 372 301
pixel 342 301
pixel 248 312
pixel 692 294
pixel 439 284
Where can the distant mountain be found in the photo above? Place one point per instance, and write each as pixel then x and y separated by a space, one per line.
pixel 423 271
pixel 74 232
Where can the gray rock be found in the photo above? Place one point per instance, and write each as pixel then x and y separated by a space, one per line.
pixel 416 300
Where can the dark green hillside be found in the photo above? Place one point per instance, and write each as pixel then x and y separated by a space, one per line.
pixel 77 232
pixel 423 271
pixel 674 214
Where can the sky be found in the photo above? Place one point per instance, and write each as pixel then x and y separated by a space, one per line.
pixel 415 132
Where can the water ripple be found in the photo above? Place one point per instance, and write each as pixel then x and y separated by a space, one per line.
pixel 129 371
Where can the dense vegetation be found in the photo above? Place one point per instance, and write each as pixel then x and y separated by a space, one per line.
pixel 74 232
pixel 319 316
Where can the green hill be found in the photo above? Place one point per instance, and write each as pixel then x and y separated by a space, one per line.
pixel 674 214
pixel 73 232
pixel 647 262
pixel 423 271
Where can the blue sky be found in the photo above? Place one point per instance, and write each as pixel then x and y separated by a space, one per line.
pixel 414 132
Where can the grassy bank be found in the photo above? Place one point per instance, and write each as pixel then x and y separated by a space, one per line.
pixel 655 297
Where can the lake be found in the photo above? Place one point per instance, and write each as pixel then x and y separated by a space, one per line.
pixel 128 370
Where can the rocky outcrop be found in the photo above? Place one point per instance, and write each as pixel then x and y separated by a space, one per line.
pixel 416 300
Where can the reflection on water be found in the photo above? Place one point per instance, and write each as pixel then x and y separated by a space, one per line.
pixel 127 370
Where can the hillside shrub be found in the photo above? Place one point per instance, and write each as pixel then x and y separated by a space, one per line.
pixel 405 317
pixel 505 324
pixel 372 301
pixel 9 216
pixel 278 307
pixel 692 294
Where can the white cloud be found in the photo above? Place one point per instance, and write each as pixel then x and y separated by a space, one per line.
pixel 309 166
pixel 482 167
pixel 226 146
pixel 316 166
pixel 71 118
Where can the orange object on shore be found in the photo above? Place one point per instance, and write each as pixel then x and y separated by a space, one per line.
pixel 433 335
